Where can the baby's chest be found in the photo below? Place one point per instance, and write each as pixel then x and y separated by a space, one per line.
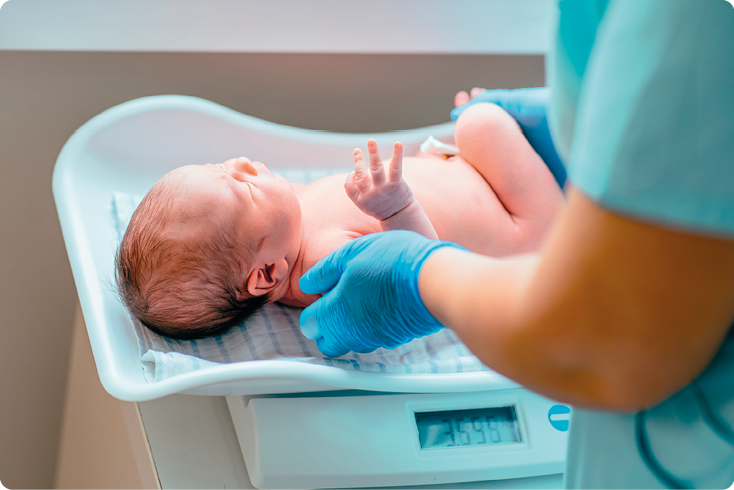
pixel 330 220
pixel 328 213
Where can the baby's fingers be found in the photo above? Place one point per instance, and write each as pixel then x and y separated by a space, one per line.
pixel 351 187
pixel 377 169
pixel 396 163
pixel 361 178
pixel 358 157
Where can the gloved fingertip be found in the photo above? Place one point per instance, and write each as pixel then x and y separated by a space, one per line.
pixel 330 348
pixel 304 283
pixel 325 274
pixel 309 324
pixel 309 282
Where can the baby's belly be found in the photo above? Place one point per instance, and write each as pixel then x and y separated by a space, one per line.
pixel 461 205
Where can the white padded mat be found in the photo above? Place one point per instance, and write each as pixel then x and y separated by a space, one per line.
pixel 274 333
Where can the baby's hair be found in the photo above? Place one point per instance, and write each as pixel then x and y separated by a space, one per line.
pixel 177 288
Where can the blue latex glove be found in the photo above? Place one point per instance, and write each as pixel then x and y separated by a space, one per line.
pixel 529 108
pixel 371 295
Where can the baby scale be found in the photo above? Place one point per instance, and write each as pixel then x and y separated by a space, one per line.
pixel 299 425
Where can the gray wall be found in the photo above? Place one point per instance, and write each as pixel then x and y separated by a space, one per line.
pixel 45 96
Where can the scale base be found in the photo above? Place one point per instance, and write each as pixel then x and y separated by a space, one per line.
pixel 364 439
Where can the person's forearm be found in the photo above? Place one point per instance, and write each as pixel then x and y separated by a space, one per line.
pixel 485 301
pixel 478 297
pixel 411 218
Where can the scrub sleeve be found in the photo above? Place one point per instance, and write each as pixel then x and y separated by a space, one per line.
pixel 643 114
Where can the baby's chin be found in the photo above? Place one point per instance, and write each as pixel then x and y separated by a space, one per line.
pixel 286 181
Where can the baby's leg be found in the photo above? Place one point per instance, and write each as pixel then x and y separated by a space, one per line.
pixel 491 140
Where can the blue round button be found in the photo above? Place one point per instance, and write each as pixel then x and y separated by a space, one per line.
pixel 558 416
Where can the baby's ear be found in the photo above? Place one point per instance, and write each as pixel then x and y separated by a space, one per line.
pixel 261 280
pixel 265 277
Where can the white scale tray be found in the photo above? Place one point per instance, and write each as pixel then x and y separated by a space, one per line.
pixel 128 148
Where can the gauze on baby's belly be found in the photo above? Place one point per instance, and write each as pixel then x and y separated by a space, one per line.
pixel 434 147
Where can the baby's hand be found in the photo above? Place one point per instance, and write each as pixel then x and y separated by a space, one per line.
pixel 378 193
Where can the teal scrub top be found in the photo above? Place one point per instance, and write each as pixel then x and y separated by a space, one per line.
pixel 643 117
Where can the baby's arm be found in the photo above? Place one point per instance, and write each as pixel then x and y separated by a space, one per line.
pixel 385 195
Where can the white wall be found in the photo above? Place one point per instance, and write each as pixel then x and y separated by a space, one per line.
pixel 278 26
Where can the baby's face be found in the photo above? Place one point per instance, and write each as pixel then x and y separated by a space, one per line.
pixel 245 196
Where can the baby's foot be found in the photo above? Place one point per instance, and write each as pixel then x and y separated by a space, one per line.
pixel 462 97
pixel 378 193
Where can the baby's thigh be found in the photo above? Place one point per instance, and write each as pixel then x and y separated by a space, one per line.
pixel 492 141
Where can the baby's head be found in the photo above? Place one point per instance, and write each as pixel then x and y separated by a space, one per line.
pixel 208 245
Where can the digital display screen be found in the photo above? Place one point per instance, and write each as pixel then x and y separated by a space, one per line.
pixel 477 427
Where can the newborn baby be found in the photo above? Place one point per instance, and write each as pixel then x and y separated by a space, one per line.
pixel 209 244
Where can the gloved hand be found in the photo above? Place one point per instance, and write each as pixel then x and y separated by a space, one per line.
pixel 371 295
pixel 529 108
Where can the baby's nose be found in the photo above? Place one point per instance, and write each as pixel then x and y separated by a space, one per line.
pixel 231 161
pixel 243 164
